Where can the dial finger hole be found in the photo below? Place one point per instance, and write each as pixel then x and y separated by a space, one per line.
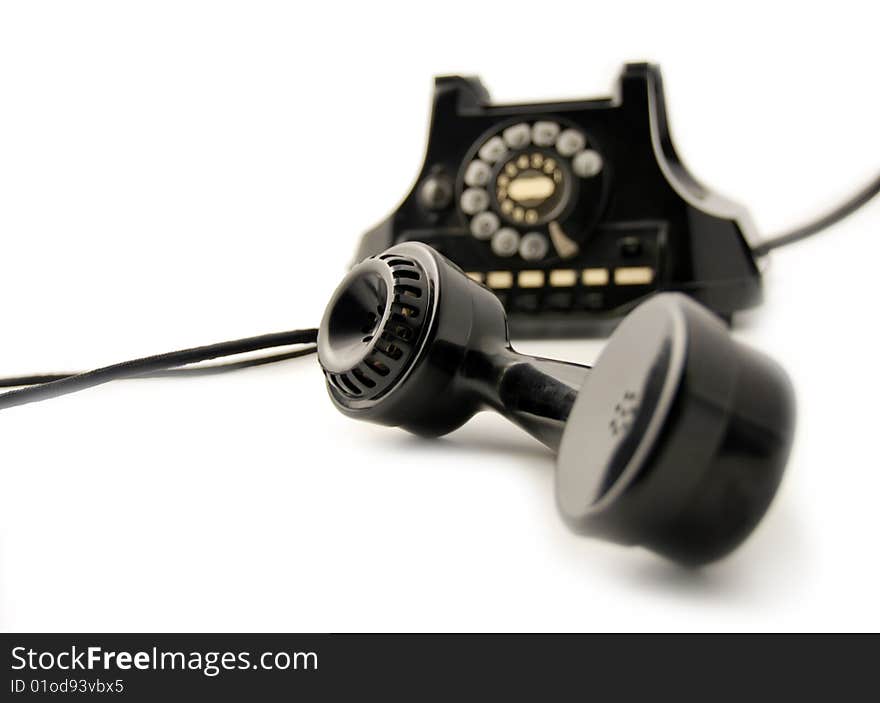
pixel 570 142
pixel 493 150
pixel 534 246
pixel 517 136
pixel 545 133
pixel 474 200
pixel 477 174
pixel 484 225
pixel 505 242
pixel 587 163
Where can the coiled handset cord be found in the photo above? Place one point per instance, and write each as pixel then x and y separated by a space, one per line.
pixel 45 386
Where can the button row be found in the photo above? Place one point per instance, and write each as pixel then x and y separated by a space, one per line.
pixel 566 278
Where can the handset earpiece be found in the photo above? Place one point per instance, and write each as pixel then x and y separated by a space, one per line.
pixel 676 440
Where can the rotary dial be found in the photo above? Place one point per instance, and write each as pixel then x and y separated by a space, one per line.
pixel 521 181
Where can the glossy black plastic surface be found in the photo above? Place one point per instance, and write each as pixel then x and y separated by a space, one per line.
pixel 642 212
pixel 679 438
pixel 464 361
pixel 676 440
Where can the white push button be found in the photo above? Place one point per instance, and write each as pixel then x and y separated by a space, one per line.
pixel 505 242
pixel 534 246
pixel 499 279
pixel 595 277
pixel 493 150
pixel 633 275
pixel 570 142
pixel 587 163
pixel 484 225
pixel 530 279
pixel 474 200
pixel 477 173
pixel 518 136
pixel 563 278
pixel 545 133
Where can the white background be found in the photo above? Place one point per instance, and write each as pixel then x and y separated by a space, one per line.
pixel 179 173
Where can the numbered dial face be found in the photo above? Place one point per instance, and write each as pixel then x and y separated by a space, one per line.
pixel 532 187
pixel 528 189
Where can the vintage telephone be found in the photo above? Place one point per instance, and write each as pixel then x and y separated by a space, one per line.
pixel 574 212
pixel 566 216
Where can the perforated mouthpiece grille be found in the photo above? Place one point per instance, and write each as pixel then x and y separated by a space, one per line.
pixel 373 325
